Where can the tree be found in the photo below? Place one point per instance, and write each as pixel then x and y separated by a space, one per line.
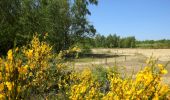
pixel 64 20
pixel 112 41
pixel 128 42
pixel 100 41
pixel 9 16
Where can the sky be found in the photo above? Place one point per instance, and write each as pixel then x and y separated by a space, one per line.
pixel 144 19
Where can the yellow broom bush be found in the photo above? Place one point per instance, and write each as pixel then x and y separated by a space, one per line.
pixel 29 71
pixel 147 84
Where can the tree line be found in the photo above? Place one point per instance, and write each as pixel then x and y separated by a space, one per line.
pixel 156 44
pixel 111 41
pixel 64 20
pixel 115 41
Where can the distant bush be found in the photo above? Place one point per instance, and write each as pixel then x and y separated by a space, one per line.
pixel 115 41
pixel 157 44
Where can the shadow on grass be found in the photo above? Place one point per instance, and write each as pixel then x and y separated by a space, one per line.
pixel 98 56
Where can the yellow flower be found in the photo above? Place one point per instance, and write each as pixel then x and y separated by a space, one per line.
pixel 164 71
pixel 30 53
pixel 1 87
pixel 156 97
pixel 164 88
pixel 139 92
pixel 83 89
pixel 16 50
pixel 10 55
pixel 0 60
pixel 19 89
pixel 43 47
pixel 77 49
pixel 7 67
pixel 37 55
pixel 9 85
pixel 32 66
pixel 30 74
pixel 2 97
pixel 0 76
pixel 160 66
pixel 23 70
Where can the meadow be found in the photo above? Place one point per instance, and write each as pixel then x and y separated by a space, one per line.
pixel 132 59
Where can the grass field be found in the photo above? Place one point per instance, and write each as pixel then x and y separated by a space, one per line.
pixel 130 59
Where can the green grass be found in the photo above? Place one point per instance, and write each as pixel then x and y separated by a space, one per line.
pixel 86 59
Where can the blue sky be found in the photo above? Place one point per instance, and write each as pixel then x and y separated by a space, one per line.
pixel 144 19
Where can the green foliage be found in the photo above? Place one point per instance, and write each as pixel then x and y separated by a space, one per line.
pixel 128 42
pixel 64 20
pixel 100 41
pixel 154 44
pixel 100 73
pixel 114 41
